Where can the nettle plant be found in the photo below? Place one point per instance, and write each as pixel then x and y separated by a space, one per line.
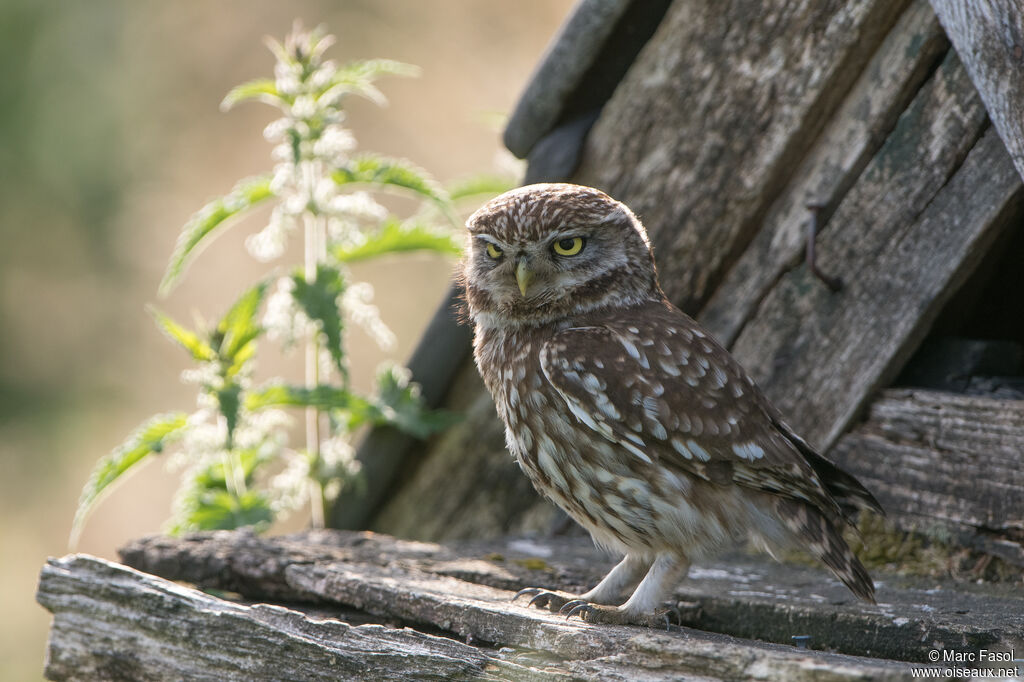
pixel 238 467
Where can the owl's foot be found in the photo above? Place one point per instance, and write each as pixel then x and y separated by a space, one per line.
pixel 550 599
pixel 613 615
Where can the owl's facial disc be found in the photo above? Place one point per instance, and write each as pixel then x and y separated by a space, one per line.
pixel 544 252
pixel 536 271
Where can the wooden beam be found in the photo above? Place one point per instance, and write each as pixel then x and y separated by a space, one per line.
pixel 115 623
pixel 851 138
pixel 989 36
pixel 903 240
pixel 463 588
pixel 712 118
pixel 945 462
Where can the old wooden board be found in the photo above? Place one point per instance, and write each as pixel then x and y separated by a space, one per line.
pixel 721 103
pixel 115 623
pixel 903 240
pixel 961 464
pixel 745 597
pixel 846 145
pixel 989 36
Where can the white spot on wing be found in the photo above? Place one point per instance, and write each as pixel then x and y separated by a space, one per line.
pixel 681 448
pixel 668 368
pixel 749 451
pixel 698 452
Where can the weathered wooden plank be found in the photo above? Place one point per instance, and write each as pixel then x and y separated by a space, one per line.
pixel 571 53
pixel 741 597
pixel 902 240
pixel 706 127
pixel 413 583
pixel 989 36
pixel 851 138
pixel 961 463
pixel 478 612
pixel 114 623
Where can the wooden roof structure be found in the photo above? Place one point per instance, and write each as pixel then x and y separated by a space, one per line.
pixel 902 122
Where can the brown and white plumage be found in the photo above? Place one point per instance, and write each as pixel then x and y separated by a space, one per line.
pixel 629 416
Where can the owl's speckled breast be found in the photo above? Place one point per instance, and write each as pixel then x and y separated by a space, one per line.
pixel 585 474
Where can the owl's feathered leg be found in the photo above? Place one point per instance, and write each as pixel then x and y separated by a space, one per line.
pixel 624 577
pixel 642 608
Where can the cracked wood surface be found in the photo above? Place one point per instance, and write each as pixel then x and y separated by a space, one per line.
pixel 851 138
pixel 116 623
pixel 989 36
pixel 722 102
pixel 744 597
pixel 903 241
pixel 960 464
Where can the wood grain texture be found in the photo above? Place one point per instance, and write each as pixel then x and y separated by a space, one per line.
pixel 960 463
pixel 989 36
pixel 429 584
pixel 849 141
pixel 115 623
pixel 707 125
pixel 903 240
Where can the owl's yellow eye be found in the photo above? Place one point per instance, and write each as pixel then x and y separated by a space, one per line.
pixel 568 246
pixel 493 251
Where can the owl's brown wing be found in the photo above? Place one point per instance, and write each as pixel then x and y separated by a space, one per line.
pixel 650 380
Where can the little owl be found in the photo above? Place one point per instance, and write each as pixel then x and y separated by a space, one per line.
pixel 627 414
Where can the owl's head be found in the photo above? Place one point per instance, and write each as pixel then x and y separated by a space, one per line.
pixel 544 252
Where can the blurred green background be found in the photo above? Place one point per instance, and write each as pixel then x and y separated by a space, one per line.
pixel 110 137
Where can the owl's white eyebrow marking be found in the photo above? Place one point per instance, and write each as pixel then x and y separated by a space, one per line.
pixel 489 238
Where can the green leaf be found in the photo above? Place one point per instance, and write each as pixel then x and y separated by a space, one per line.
pixel 229 404
pixel 480 185
pixel 400 404
pixel 395 236
pixel 239 329
pixel 357 78
pixel 220 510
pixel 319 300
pixel 320 397
pixel 150 438
pixel 199 349
pixel 389 172
pixel 262 89
pixel 203 223
pixel 207 503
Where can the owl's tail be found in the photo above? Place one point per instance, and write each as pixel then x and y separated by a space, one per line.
pixel 818 536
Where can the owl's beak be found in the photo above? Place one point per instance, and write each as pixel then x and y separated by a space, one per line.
pixel 524 275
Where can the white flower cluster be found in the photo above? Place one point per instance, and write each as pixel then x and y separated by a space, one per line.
pixel 310 141
pixel 357 302
pixel 284 320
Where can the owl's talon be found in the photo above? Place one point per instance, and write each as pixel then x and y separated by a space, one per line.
pixel 542 598
pixel 527 590
pixel 569 605
pixel 582 610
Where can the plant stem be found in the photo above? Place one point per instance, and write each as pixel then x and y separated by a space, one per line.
pixel 315 253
